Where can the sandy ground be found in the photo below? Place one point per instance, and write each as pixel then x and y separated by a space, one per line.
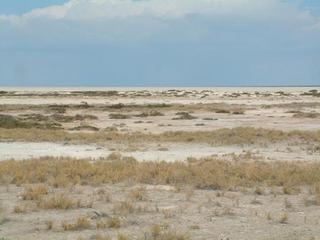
pixel 199 214
pixel 168 152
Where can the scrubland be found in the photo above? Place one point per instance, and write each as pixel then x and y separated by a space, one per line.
pixel 263 183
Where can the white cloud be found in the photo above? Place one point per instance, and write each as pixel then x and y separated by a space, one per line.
pixel 107 9
pixel 255 11
pixel 130 20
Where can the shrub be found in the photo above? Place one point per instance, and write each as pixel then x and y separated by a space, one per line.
pixel 184 116
pixel 118 116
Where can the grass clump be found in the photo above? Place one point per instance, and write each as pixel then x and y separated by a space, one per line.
pixel 284 219
pixel 34 192
pixel 152 113
pixel 20 208
pixel 222 111
pixel 85 128
pixel 139 194
pixel 125 208
pixel 118 116
pixel 81 223
pixel 184 116
pixel 113 222
pixel 59 201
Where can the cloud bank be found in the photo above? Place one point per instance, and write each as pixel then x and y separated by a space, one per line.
pixel 162 42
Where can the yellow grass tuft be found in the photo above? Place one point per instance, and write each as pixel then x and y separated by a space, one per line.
pixel 113 222
pixel 284 219
pixel 59 201
pixel 34 192
pixel 81 223
pixel 139 194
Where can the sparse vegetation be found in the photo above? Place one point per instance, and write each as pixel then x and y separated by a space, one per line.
pixel 85 128
pixel 207 173
pixel 157 233
pixel 241 135
pixel 11 122
pixel 152 113
pixel 306 115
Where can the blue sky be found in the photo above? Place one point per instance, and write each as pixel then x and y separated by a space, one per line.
pixel 23 6
pixel 159 42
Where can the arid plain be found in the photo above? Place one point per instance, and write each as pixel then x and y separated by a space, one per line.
pixel 160 164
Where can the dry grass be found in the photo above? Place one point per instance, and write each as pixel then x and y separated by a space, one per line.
pixel 81 223
pixel 58 201
pixel 20 208
pixel 284 219
pixel 206 173
pixel 157 233
pixel 241 135
pixel 291 190
pixel 125 207
pixel 34 192
pixel 113 222
pixel 139 194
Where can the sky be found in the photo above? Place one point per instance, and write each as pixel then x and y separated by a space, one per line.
pixel 159 42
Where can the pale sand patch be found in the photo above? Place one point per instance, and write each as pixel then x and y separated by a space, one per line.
pixel 170 153
pixel 27 150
